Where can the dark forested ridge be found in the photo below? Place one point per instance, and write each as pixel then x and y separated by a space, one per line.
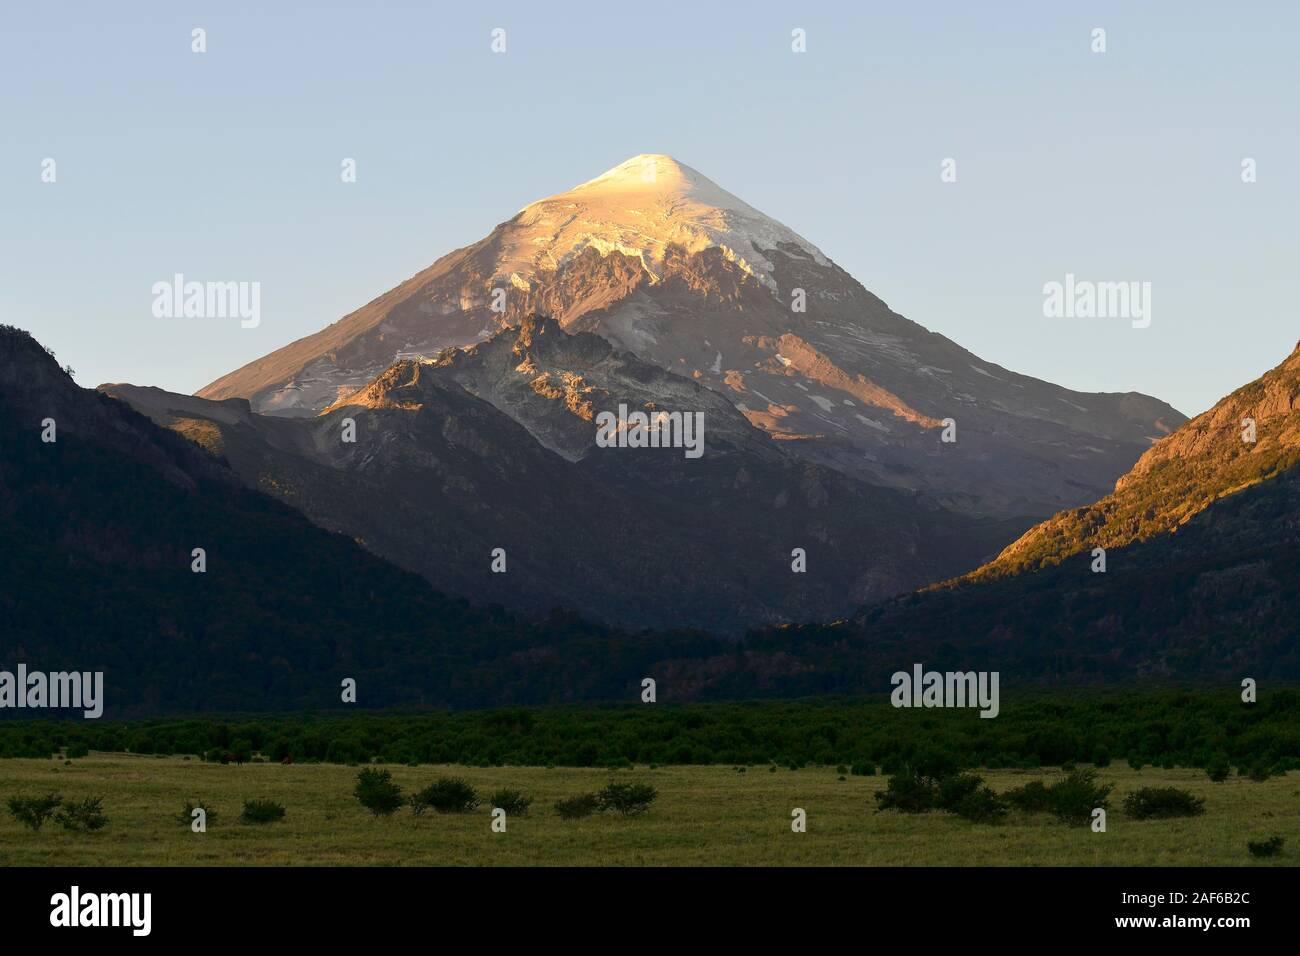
pixel 98 528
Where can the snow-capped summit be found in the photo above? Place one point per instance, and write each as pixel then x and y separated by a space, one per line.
pixel 664 263
pixel 640 208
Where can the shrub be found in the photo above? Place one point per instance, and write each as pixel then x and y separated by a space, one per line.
pixel 512 802
pixel 1073 799
pixel 933 763
pixel 583 805
pixel 1260 772
pixel 965 795
pixel 187 815
pixel 1157 803
pixel 908 793
pixel 953 790
pixel 627 798
pixel 1031 798
pixel 1217 769
pixel 863 770
pixel 981 805
pixel 262 811
pixel 377 792
pixel 84 817
pixel 446 795
pixel 1270 847
pixel 34 811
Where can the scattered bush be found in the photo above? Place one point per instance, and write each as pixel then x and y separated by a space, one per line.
pixel 84 817
pixel 34 811
pixel 956 788
pixel 262 811
pixel 583 805
pixel 981 805
pixel 908 792
pixel 1073 799
pixel 1031 798
pixel 1260 772
pixel 1217 769
pixel 1270 847
pixel 377 792
pixel 1158 803
pixel 863 769
pixel 446 795
pixel 513 802
pixel 628 799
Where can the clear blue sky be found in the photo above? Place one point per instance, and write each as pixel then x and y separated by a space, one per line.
pixel 1115 166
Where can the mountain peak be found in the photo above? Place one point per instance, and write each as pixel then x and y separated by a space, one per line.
pixel 651 174
pixel 640 208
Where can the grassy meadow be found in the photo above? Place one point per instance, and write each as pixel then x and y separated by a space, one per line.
pixel 705 815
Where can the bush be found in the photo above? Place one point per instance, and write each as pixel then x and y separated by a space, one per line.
pixel 1073 799
pixel 1031 798
pixel 863 769
pixel 583 805
pixel 446 795
pixel 953 790
pixel 512 802
pixel 1217 769
pixel 981 805
pixel 1260 772
pixel 377 792
pixel 1270 847
pixel 262 811
pixel 965 795
pixel 1158 803
pixel 187 815
pixel 908 792
pixel 934 764
pixel 84 817
pixel 34 811
pixel 627 798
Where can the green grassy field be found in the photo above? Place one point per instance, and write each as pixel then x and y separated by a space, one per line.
pixel 704 815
